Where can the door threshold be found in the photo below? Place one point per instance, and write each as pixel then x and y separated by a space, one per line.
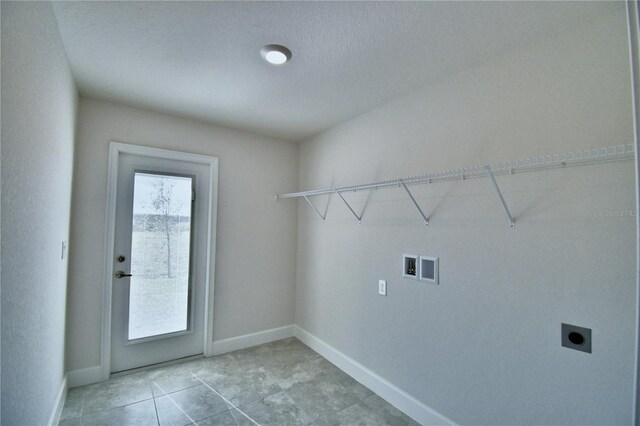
pixel 154 366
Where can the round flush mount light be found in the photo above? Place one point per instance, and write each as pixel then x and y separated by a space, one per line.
pixel 275 54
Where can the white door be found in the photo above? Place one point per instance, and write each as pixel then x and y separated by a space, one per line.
pixel 159 264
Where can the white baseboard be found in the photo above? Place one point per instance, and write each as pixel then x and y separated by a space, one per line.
pixel 54 418
pixel 253 339
pixel 85 376
pixel 406 403
pixel 415 409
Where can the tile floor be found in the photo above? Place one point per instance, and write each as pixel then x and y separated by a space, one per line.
pixel 279 383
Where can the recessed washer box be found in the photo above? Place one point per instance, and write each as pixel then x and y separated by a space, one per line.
pixel 429 269
pixel 410 266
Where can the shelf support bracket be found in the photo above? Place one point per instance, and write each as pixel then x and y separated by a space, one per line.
pixel 512 221
pixel 415 203
pixel 347 204
pixel 314 208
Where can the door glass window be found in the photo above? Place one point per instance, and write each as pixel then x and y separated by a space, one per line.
pixel 159 291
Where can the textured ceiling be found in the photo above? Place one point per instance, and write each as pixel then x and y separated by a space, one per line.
pixel 201 59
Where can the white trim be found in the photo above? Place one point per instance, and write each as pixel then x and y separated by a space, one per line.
pixel 211 257
pixel 54 418
pixel 404 402
pixel 85 376
pixel 115 149
pixel 253 339
pixel 633 32
pixel 155 366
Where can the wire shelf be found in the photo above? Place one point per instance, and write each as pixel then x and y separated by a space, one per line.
pixel 608 154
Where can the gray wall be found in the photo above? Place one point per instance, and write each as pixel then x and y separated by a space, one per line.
pixel 483 347
pixel 38 119
pixel 249 297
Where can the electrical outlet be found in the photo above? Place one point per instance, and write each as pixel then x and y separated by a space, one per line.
pixel 574 337
pixel 382 287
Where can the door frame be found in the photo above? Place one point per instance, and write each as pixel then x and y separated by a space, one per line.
pixel 115 149
pixel 633 34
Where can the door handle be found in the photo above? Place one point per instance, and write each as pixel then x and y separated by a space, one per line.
pixel 122 274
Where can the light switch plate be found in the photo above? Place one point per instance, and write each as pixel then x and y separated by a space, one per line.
pixel 382 287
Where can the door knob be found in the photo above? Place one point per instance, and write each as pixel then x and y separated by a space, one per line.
pixel 122 274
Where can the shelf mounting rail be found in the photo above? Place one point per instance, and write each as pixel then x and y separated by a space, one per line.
pixel 607 154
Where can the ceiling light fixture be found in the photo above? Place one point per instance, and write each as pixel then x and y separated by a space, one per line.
pixel 275 54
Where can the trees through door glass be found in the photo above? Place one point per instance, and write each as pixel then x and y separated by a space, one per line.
pixel 160 289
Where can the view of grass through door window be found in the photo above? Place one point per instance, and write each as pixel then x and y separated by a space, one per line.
pixel 160 251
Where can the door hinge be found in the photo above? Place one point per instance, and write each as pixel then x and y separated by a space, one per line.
pixel 193 195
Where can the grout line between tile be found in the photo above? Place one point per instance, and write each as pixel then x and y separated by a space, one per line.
pixel 154 404
pixel 174 403
pixel 336 412
pixel 227 401
pixel 117 406
pixel 156 408
pixel 174 391
pixel 84 396
pixel 299 407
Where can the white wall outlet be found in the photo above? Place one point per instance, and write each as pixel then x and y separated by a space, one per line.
pixel 382 287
